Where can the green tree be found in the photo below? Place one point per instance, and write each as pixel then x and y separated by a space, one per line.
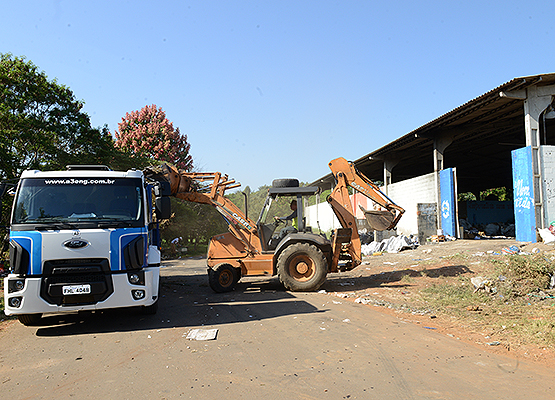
pixel 147 136
pixel 42 125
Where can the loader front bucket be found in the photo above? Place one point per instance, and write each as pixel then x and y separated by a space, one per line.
pixel 378 220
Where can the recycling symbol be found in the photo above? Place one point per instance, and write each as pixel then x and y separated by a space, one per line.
pixel 445 209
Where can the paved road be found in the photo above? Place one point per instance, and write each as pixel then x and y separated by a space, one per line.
pixel 271 344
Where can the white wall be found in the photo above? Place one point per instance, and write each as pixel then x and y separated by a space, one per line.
pixel 321 216
pixel 547 157
pixel 406 194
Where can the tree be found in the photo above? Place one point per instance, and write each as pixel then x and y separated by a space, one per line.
pixel 148 135
pixel 41 123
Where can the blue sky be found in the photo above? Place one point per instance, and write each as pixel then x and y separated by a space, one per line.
pixel 276 89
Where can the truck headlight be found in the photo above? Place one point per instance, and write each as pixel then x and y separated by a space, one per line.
pixel 134 279
pixel 15 302
pixel 16 285
pixel 138 294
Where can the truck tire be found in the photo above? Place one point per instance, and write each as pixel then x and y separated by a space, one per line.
pixel 153 308
pixel 302 267
pixel 222 278
pixel 29 319
pixel 288 182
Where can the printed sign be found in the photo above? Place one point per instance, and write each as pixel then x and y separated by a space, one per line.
pixel 523 194
pixel 447 190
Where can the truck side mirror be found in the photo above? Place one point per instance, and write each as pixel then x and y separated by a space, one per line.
pixel 162 189
pixel 163 208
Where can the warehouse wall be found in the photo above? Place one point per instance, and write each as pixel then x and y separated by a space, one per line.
pixel 407 194
pixel 547 157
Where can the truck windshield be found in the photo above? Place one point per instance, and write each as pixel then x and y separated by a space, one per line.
pixel 75 200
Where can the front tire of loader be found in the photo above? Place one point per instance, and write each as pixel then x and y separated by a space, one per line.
pixel 302 267
pixel 222 278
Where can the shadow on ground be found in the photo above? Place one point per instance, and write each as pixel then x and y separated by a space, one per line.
pixel 186 301
pixel 397 278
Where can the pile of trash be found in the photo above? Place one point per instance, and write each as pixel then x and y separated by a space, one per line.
pixel 492 230
pixel 393 244
pixel 548 234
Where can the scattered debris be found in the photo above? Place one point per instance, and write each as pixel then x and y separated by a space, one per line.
pixel 437 238
pixel 202 334
pixel 546 235
pixel 393 244
pixel 481 283
pixel 510 250
pixel 487 231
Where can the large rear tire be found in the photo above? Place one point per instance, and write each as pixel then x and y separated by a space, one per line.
pixel 302 267
pixel 285 182
pixel 222 278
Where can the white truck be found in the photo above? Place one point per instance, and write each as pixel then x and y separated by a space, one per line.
pixel 84 239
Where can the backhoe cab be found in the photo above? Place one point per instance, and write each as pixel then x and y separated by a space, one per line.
pixel 300 259
pixel 270 235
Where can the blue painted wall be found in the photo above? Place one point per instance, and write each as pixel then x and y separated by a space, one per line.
pixel 523 194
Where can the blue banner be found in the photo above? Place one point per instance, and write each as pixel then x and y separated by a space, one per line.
pixel 523 194
pixel 448 205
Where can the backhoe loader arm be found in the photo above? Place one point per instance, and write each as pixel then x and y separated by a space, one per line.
pixel 209 188
pixel 346 175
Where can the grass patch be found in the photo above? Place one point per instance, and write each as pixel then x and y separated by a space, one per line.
pixel 522 275
pixel 451 297
pixel 518 306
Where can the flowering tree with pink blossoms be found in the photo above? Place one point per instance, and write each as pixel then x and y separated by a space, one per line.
pixel 148 135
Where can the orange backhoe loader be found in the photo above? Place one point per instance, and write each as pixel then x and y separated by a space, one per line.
pixel 301 259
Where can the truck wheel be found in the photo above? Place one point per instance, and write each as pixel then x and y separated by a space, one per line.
pixel 222 278
pixel 302 267
pixel 153 308
pixel 29 319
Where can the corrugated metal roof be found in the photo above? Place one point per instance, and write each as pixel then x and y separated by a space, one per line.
pixel 478 127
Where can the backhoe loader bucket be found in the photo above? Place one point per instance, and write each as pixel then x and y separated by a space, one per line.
pixel 378 220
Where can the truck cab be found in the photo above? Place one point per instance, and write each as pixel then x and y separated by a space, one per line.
pixel 83 239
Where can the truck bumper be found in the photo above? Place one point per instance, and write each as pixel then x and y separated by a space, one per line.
pixel 27 300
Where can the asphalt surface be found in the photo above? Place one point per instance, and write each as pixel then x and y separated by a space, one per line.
pixel 270 344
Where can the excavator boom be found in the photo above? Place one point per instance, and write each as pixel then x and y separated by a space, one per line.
pixel 346 175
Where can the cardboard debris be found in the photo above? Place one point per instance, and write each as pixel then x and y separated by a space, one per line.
pixel 202 334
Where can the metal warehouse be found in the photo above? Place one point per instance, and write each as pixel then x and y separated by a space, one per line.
pixel 503 138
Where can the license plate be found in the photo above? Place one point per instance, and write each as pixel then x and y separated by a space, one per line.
pixel 76 289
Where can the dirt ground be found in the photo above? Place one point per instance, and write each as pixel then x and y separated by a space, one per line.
pixel 393 283
pixel 276 344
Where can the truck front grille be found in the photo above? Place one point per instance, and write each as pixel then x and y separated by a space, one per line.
pixel 59 273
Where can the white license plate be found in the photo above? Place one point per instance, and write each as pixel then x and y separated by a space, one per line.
pixel 76 289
